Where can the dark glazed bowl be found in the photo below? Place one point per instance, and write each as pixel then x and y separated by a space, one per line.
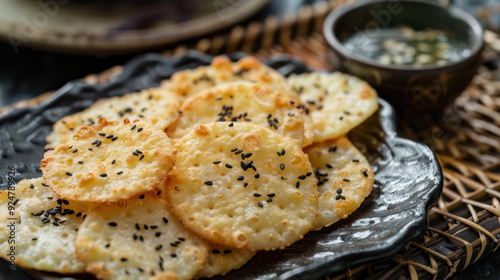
pixel 408 88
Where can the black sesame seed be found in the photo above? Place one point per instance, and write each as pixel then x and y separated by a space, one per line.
pixel 241 178
pixel 209 183
pixel 282 152
pixel 103 175
pixel 181 239
pixel 102 134
pixel 260 204
pixel 309 174
pixel 153 226
pixel 257 195
pixel 165 220
pixel 158 234
pixel 302 177
pixel 139 130
pixel 339 191
pixel 257 176
pixel 141 157
pixel 32 186
pixel 59 201
pixel 142 196
pixel 282 166
pixel 139 151
pixel 297 185
pixel 247 155
pixel 216 162
pixel 355 160
pixel 112 224
pixel 78 214
pixel 238 152
pixel 123 259
pixel 271 194
pixel 113 162
pixel 158 247
pixel 245 184
pixel 34 239
pixel 329 166
pixel 110 136
pixel 269 200
pixel 173 255
pixel 75 150
pixel 55 223
pixel 364 171
pixel 119 173
pixel 338 197
pixel 80 162
pixel 227 252
pixel 146 227
pixel 234 150
pixel 114 138
pixel 69 174
pixel 332 149
pixel 133 127
pixel 278 153
pixel 231 125
pixel 141 238
pixel 228 166
pixel 45 220
pixel 65 202
pixel 346 180
pixel 107 245
pixel 135 153
pixel 90 149
pixel 140 270
pixel 135 237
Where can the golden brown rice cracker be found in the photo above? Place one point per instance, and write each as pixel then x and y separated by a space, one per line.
pixel 221 260
pixel 345 179
pixel 241 102
pixel 243 186
pixel 191 81
pixel 41 226
pixel 157 106
pixel 109 161
pixel 336 102
pixel 139 239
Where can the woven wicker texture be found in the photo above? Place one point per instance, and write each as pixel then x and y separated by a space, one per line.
pixel 464 226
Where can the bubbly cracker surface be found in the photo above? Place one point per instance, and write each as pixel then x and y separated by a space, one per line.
pixel 337 102
pixel 191 81
pixel 44 232
pixel 139 239
pixel 244 186
pixel 241 102
pixel 221 260
pixel 156 106
pixel 109 161
pixel 345 179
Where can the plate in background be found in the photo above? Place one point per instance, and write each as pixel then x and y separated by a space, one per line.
pixel 112 26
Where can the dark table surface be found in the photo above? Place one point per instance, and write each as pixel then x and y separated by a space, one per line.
pixel 28 73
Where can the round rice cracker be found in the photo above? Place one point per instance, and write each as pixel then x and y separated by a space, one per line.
pixel 336 102
pixel 221 260
pixel 191 81
pixel 139 238
pixel 45 229
pixel 345 179
pixel 243 187
pixel 241 102
pixel 157 106
pixel 109 161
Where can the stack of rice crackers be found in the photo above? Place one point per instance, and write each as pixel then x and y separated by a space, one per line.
pixel 191 179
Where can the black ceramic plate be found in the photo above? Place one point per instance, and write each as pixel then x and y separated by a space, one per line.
pixel 408 179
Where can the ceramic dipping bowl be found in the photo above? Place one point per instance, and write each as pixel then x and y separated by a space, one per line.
pixel 411 89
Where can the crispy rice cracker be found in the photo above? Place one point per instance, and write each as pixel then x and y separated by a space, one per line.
pixel 337 102
pixel 139 239
pixel 244 186
pixel 191 81
pixel 241 102
pixel 221 260
pixel 345 179
pixel 156 106
pixel 45 230
pixel 109 161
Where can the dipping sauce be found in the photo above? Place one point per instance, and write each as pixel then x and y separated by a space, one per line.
pixel 402 45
